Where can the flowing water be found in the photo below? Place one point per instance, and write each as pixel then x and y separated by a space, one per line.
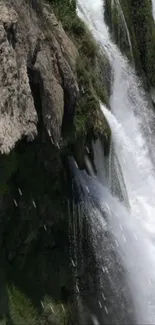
pixel 131 229
pixel 121 13
pixel 153 7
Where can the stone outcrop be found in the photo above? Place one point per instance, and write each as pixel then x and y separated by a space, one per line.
pixel 40 72
pixel 18 115
pixel 34 52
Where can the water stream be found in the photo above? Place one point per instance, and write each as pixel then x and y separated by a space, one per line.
pixel 153 7
pixel 131 230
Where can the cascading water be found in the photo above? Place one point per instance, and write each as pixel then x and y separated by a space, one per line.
pixel 124 239
pixel 119 8
pixel 115 176
pixel 153 7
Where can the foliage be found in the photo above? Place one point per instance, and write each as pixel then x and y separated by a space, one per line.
pixel 91 85
pixel 22 312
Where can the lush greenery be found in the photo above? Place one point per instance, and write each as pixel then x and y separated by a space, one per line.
pixel 92 85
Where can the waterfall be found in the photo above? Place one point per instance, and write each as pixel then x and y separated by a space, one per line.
pixel 123 239
pixel 153 7
pixel 115 176
pixel 119 8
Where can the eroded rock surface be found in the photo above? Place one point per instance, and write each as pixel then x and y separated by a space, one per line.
pixel 32 53
pixel 17 113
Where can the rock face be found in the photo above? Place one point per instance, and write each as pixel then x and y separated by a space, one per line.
pixel 40 71
pixel 34 53
pixel 38 89
pixel 18 115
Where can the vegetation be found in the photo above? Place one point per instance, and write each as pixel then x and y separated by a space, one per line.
pixel 91 85
pixel 20 305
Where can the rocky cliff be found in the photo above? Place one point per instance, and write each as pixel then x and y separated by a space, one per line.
pixel 30 56
pixel 51 79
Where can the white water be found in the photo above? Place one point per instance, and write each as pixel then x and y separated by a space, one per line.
pixel 125 26
pixel 153 7
pixel 131 121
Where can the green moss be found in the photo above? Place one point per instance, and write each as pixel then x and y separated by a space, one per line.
pixel 58 312
pixel 87 119
pixel 91 85
pixel 4 188
pixel 22 312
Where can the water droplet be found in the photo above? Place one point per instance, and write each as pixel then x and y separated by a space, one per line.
pixel 15 202
pixel 63 308
pixel 76 164
pixel 42 304
pixel 45 227
pixel 87 189
pixel 20 192
pixel 34 204
pixel 103 269
pixel 58 146
pixel 99 302
pixel 52 140
pixel 73 263
pixel 106 269
pixel 103 296
pixel 49 132
pixel 77 288
pixel 94 319
pixel 106 310
pixel 52 309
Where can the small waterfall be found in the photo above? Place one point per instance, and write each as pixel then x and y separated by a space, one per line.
pixel 124 239
pixel 153 8
pixel 102 288
pixel 116 179
pixel 100 161
pixel 122 17
pixel 141 190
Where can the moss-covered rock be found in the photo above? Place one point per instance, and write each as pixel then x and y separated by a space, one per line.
pixel 92 84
